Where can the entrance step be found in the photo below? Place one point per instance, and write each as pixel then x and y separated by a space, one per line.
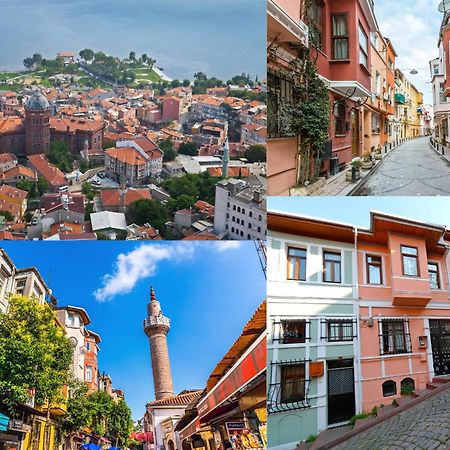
pixel 441 379
pixel 405 399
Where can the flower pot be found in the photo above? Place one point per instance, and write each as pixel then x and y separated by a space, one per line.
pixel 378 156
pixel 348 175
pixel 366 165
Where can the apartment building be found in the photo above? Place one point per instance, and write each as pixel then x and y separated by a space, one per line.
pixel 313 378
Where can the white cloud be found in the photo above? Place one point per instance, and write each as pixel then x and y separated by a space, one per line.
pixel 138 264
pixel 223 246
pixel 413 26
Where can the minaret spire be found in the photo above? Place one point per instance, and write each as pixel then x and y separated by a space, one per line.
pixel 156 327
pixel 226 157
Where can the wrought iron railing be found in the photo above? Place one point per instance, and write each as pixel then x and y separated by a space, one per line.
pixel 288 396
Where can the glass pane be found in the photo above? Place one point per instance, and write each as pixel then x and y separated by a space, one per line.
pixel 409 250
pixel 374 275
pixel 332 257
pixel 297 252
pixel 340 25
pixel 363 39
pixel 337 272
pixel 302 269
pixel 340 48
pixel 410 265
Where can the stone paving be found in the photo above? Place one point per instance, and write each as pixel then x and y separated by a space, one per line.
pixel 412 169
pixel 422 427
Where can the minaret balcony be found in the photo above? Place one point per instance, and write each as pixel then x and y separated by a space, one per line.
pixel 156 320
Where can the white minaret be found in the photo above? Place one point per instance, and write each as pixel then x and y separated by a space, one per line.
pixel 226 156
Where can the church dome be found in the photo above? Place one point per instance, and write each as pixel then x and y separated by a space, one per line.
pixel 37 102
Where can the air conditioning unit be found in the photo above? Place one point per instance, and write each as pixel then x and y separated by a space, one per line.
pixel 386 96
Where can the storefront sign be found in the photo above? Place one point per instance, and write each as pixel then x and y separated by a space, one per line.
pixel 19 425
pixel 242 438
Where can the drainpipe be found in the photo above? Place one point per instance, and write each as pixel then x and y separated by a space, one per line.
pixel 358 342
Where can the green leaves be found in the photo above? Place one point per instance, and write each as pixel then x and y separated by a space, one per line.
pixel 34 353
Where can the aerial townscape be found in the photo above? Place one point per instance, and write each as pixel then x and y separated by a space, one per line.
pixel 56 395
pixel 94 147
pixel 339 103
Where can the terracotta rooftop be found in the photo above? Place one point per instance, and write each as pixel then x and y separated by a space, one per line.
pixel 111 197
pixel 21 171
pixel 127 155
pixel 50 172
pixel 11 125
pixel 7 157
pixel 182 399
pixel 233 172
pixel 64 124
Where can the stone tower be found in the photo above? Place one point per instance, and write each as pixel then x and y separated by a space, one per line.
pixel 225 160
pixel 37 124
pixel 156 327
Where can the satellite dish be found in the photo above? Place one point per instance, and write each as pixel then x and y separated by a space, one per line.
pixel 444 6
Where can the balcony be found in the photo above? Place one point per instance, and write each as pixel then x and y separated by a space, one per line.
pixel 286 28
pixel 410 291
pixel 158 320
pixel 400 99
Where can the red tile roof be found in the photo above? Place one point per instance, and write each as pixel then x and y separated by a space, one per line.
pixel 111 197
pixel 64 124
pixel 182 399
pixel 50 172
pixel 127 155
pixel 233 172
pixel 19 170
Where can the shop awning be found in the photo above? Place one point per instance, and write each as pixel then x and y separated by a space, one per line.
pixel 251 364
pixel 4 421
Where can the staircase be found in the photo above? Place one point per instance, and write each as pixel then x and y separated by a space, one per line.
pixel 329 438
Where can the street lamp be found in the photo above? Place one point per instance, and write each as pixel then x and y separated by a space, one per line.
pixel 412 71
pixel 444 6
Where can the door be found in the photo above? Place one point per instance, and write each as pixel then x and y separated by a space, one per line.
pixel 341 390
pixel 440 344
pixel 355 134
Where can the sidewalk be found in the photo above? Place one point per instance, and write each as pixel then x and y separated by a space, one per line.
pixel 337 185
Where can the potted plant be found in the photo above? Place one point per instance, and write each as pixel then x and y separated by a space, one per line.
pixel 367 162
pixel 378 155
pixel 354 166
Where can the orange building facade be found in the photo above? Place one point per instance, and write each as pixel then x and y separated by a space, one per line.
pixel 91 373
pixel 404 313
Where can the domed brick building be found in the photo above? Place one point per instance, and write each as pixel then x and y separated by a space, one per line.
pixel 33 134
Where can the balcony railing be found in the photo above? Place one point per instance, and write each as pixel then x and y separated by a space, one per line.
pixel 288 396
pixel 400 98
pixel 156 320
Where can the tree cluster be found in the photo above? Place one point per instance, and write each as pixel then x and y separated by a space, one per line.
pixel 35 355
pixel 59 155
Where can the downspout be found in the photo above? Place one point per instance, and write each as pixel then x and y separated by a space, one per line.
pixel 358 342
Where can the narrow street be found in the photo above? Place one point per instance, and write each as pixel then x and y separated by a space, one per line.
pixel 425 426
pixel 412 169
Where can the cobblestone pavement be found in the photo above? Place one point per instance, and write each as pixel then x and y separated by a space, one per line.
pixel 414 168
pixel 425 426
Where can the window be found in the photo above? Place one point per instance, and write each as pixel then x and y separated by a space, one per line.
pixel 71 320
pixel 296 264
pixel 316 23
pixel 340 36
pixel 88 346
pixel 433 273
pixel 389 388
pixel 339 330
pixel 410 261
pixel 292 383
pixel 293 331
pixel 88 373
pixel 394 338
pixel 374 272
pixel 407 385
pixel 376 123
pixel 377 83
pixel 442 97
pixel 331 267
pixel 280 94
pixel 340 125
pixel 363 47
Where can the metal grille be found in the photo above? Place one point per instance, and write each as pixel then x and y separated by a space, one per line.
pixel 394 336
pixel 280 93
pixel 440 344
pixel 343 335
pixel 288 395
pixel 280 333
pixel 340 381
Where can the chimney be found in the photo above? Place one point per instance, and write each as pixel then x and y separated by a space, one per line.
pixel 257 196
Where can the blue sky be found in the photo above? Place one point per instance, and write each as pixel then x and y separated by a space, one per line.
pixel 219 38
pixel 208 291
pixel 413 26
pixel 355 210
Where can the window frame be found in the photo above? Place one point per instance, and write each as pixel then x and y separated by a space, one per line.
pixel 337 37
pixel 301 380
pixel 438 278
pixel 371 264
pixel 341 336
pixel 324 260
pixel 361 48
pixel 293 340
pixel 299 261
pixel 388 335
pixel 339 114
pixel 407 255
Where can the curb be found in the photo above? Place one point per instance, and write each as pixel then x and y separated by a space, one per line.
pixel 365 426
pixel 447 160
